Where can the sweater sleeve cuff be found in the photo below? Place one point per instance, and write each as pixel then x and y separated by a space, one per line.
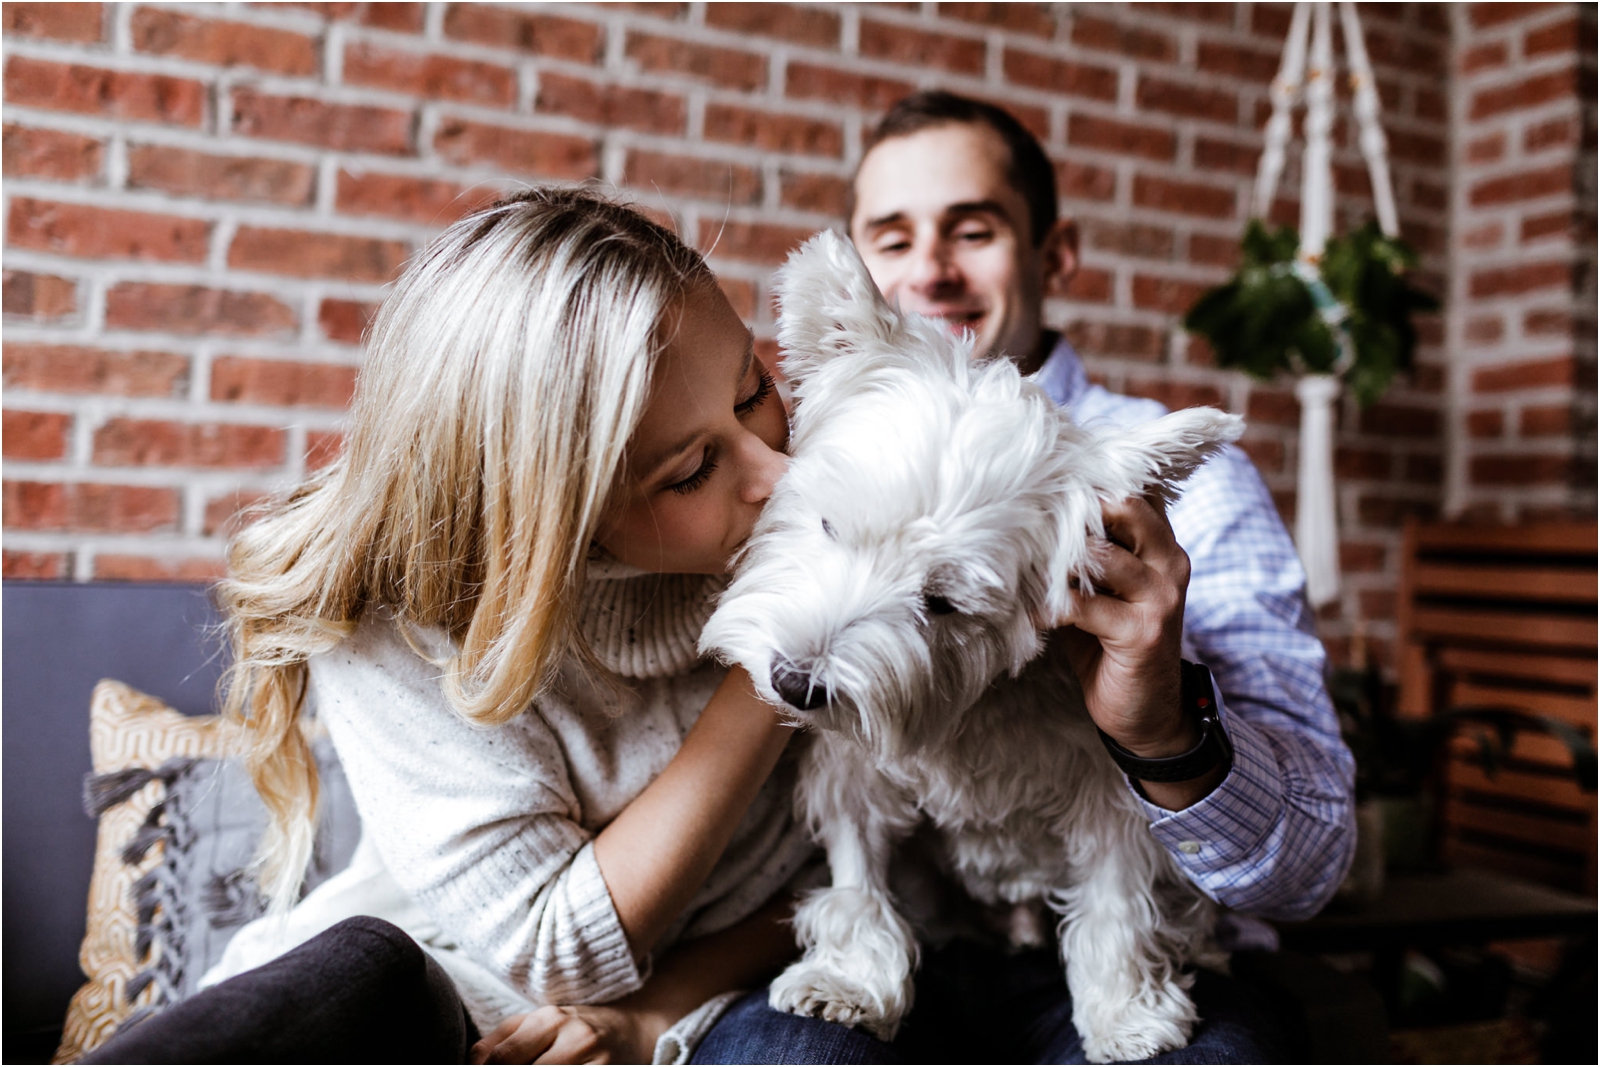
pixel 1227 826
pixel 609 969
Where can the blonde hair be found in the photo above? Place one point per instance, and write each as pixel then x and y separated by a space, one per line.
pixel 503 378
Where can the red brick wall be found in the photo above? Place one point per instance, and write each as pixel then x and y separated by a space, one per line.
pixel 203 203
pixel 1523 323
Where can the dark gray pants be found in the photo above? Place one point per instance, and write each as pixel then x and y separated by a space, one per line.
pixel 360 992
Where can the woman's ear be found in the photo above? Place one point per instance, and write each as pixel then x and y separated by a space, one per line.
pixel 827 305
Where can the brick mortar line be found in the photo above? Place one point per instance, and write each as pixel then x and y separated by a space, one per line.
pixel 161 545
pixel 175 273
pixel 99 409
pixel 155 202
pixel 217 480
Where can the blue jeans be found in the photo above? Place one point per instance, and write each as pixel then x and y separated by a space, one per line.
pixel 977 1004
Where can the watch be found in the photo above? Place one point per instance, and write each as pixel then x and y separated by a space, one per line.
pixel 1199 699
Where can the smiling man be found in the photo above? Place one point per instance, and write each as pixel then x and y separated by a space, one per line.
pixel 954 211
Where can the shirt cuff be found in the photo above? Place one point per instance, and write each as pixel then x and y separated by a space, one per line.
pixel 1227 827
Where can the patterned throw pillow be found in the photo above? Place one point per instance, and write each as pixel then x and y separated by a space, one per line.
pixel 128 731
pixel 179 825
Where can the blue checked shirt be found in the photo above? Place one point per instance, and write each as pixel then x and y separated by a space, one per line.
pixel 1276 836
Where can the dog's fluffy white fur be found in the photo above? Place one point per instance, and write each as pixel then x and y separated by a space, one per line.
pixel 935 511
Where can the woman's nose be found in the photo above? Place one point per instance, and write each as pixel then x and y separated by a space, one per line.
pixel 766 465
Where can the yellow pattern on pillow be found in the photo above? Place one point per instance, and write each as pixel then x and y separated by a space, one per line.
pixel 127 730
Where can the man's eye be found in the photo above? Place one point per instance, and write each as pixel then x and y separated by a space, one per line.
pixel 697 479
pixel 975 236
pixel 764 388
pixel 892 246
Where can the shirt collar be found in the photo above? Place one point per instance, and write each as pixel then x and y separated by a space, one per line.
pixel 1062 375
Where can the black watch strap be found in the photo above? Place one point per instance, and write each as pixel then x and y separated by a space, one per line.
pixel 1200 701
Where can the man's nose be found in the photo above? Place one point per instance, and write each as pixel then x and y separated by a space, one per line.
pixel 933 268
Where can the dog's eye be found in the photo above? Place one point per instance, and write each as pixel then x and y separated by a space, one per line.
pixel 828 530
pixel 937 604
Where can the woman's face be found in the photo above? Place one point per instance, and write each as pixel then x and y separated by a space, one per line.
pixel 707 451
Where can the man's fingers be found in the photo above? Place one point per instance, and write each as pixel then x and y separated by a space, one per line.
pixel 1138 526
pixel 1105 616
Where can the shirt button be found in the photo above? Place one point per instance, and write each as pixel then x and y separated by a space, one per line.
pixel 1188 848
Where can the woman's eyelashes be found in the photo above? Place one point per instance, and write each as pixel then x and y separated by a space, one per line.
pixel 698 478
pixel 764 388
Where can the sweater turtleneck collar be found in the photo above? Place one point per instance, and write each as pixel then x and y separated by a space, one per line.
pixel 645 625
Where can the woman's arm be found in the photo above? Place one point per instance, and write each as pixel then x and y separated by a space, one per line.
pixel 481 827
pixel 627 1029
pixel 657 853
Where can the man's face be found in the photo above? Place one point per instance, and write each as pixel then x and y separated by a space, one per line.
pixel 945 235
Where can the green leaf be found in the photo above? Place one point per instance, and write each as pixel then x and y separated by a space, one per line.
pixel 1264 322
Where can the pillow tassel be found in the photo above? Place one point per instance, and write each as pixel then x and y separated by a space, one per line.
pixel 138 1016
pixel 151 832
pixel 139 982
pixel 102 791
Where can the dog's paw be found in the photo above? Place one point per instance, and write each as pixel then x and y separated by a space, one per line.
pixel 808 988
pixel 1158 1020
pixel 1131 1047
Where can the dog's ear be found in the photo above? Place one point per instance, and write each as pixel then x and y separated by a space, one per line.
pixel 1151 460
pixel 828 305
pixel 1154 459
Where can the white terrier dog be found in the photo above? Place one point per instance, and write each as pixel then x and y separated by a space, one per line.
pixel 936 512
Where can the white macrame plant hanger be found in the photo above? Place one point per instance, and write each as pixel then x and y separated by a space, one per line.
pixel 1316 526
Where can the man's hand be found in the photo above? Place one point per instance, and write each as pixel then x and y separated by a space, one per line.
pixel 584 1034
pixel 1124 644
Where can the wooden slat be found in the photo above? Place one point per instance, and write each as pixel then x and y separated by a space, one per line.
pixel 1533 788
pixel 1579 711
pixel 1534 537
pixel 1504 627
pixel 1539 833
pixel 1565 585
pixel 1568 874
pixel 1526 747
pixel 1579 669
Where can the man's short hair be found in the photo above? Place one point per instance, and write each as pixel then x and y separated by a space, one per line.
pixel 1028 172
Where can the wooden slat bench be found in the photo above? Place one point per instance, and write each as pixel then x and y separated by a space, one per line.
pixel 1505 617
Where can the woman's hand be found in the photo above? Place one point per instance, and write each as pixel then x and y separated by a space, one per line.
pixel 1124 645
pixel 625 1031
pixel 582 1034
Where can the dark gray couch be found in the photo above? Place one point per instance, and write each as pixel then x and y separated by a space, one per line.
pixel 60 639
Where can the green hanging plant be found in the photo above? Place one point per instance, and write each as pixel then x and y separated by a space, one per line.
pixel 1351 317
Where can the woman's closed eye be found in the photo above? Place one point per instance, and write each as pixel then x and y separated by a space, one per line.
pixel 699 478
pixel 764 389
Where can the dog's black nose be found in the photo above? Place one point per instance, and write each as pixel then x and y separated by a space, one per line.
pixel 797 688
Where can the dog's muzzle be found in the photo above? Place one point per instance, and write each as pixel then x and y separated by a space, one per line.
pixel 797 688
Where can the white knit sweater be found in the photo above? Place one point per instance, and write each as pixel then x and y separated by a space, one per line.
pixel 476 840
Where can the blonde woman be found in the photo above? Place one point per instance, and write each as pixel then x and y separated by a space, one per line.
pixel 560 437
